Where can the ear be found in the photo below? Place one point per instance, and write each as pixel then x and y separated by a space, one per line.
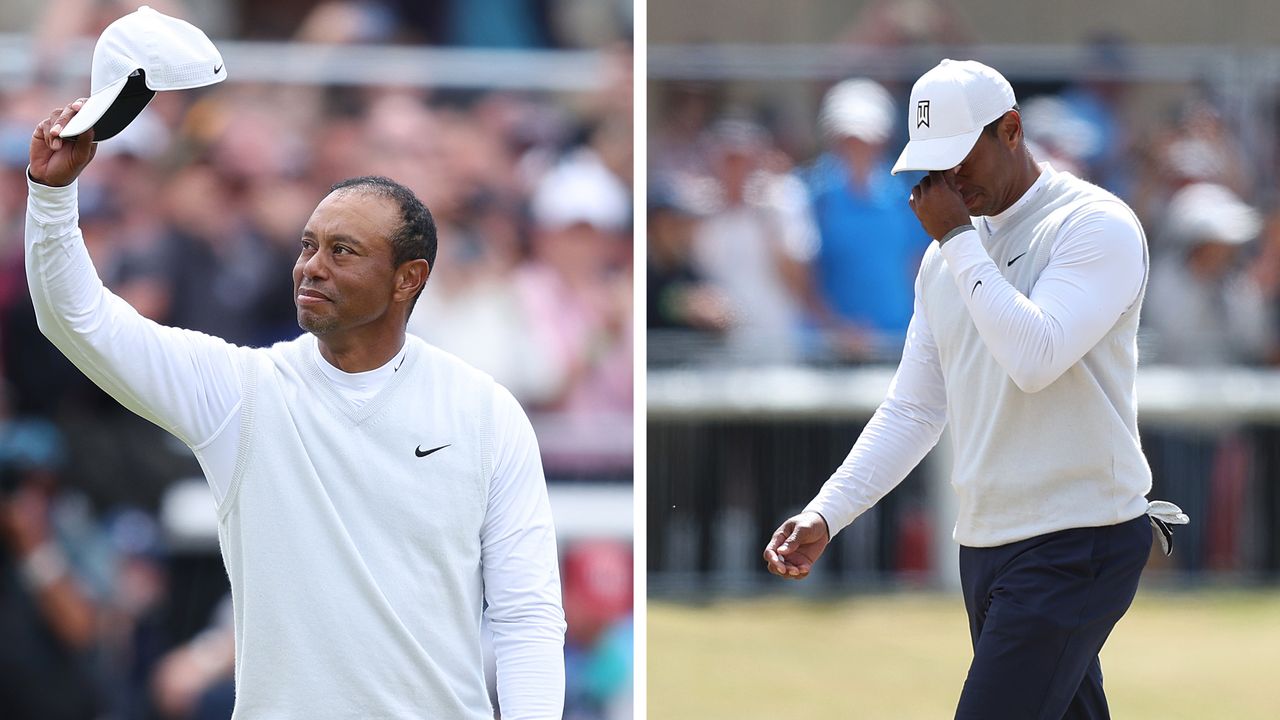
pixel 409 279
pixel 1011 129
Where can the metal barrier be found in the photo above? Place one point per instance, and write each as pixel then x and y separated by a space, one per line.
pixel 734 451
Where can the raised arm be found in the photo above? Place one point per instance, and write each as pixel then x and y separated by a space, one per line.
pixel 1095 272
pixel 521 573
pixel 185 382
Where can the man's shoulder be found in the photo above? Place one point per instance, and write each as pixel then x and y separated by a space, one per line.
pixel 283 350
pixel 1079 203
pixel 436 359
pixel 1084 192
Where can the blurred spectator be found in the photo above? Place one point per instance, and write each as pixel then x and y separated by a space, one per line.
pixel 679 297
pixel 678 143
pixel 1203 307
pixel 1093 106
pixel 47 618
pixel 745 246
pixel 599 648
pixel 194 680
pixel 1059 136
pixel 1201 147
pixel 870 242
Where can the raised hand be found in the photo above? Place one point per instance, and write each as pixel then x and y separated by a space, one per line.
pixel 55 161
pixel 938 204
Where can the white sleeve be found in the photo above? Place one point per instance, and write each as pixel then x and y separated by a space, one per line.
pixel 521 573
pixel 900 433
pixel 186 382
pixel 1095 272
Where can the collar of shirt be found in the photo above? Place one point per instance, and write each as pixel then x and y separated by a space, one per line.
pixel 359 387
pixel 995 222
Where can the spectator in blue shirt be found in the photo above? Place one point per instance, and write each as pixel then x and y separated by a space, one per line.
pixel 871 244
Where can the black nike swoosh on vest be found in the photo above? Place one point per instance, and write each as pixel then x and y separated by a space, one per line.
pixel 215 70
pixel 1011 262
pixel 423 453
pixel 975 287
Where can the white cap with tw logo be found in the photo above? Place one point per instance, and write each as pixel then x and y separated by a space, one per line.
pixel 950 105
pixel 137 55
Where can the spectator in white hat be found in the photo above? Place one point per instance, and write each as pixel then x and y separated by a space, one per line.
pixel 572 294
pixel 1205 307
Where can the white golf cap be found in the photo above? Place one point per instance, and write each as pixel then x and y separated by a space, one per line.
pixel 1210 213
pixel 950 105
pixel 137 55
pixel 858 108
pixel 581 190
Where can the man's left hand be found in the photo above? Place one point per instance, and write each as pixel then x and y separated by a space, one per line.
pixel 938 204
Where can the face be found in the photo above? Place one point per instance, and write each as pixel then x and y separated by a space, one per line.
pixel 986 176
pixel 344 278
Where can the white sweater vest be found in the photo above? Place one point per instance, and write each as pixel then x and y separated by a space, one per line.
pixel 1066 456
pixel 354 562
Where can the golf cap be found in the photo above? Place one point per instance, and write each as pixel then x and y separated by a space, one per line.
pixel 581 191
pixel 1210 213
pixel 858 108
pixel 137 55
pixel 950 105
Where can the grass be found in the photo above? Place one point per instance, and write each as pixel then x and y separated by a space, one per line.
pixel 1201 655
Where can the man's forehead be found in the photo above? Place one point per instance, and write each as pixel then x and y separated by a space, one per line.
pixel 354 213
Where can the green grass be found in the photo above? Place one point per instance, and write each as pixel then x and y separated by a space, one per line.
pixel 1202 655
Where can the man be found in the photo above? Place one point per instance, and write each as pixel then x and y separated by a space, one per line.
pixel 1024 339
pixel 747 247
pixel 373 493
pixel 869 244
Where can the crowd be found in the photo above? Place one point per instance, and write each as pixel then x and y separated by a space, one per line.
pixel 193 215
pixel 762 253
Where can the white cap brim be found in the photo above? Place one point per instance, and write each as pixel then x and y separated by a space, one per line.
pixel 94 108
pixel 936 153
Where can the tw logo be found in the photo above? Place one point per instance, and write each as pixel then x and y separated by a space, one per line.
pixel 922 113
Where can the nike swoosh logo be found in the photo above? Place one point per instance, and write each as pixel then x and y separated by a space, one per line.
pixel 423 453
pixel 216 69
pixel 975 287
pixel 1011 262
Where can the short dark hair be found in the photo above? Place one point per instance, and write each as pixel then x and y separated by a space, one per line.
pixel 416 236
pixel 991 127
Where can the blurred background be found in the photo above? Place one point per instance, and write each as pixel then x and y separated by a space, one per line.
pixel 511 119
pixel 781 257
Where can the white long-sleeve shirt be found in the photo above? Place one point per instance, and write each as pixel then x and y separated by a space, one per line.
pixel 1094 275
pixel 191 385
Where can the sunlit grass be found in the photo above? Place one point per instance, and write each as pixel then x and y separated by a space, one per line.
pixel 1202 655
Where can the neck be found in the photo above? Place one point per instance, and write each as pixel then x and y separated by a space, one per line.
pixel 359 354
pixel 1023 179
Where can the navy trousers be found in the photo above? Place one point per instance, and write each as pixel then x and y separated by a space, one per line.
pixel 1039 611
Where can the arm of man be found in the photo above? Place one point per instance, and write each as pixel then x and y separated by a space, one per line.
pixel 186 382
pixel 1095 272
pixel 900 433
pixel 521 573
